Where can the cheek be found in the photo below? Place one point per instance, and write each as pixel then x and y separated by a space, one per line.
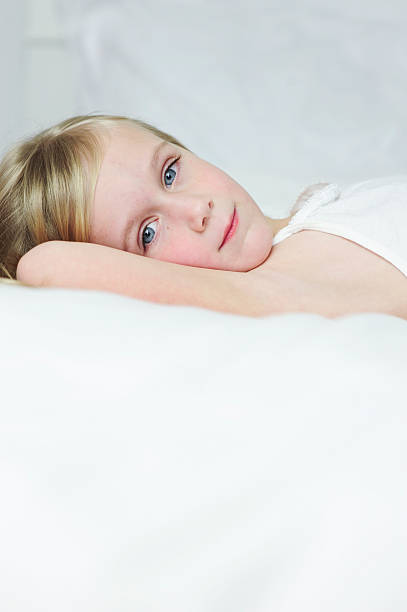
pixel 185 250
pixel 215 181
pixel 258 241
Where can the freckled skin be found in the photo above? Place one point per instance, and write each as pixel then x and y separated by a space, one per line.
pixel 186 208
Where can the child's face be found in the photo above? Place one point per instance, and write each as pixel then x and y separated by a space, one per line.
pixel 176 211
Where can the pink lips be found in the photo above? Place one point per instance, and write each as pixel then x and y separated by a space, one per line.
pixel 231 228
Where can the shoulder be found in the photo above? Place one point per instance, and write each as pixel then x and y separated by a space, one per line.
pixel 267 291
pixel 332 277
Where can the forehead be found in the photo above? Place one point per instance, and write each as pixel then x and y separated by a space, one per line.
pixel 125 138
pixel 125 176
pixel 128 154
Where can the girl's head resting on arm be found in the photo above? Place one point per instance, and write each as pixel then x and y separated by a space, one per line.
pixel 123 183
pixel 156 198
pixel 47 185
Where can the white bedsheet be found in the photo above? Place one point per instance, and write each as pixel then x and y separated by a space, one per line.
pixel 161 458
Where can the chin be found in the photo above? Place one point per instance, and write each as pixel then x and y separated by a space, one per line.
pixel 245 267
pixel 259 260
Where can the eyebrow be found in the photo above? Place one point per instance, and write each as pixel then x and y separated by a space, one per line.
pixel 130 222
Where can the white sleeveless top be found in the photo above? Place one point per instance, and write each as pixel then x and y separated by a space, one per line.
pixel 372 213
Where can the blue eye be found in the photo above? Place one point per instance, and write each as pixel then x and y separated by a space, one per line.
pixel 169 171
pixel 148 234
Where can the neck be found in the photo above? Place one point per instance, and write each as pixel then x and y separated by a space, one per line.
pixel 278 224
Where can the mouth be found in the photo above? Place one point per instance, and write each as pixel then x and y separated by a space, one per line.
pixel 230 228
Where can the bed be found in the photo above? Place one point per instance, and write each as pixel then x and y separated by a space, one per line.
pixel 158 457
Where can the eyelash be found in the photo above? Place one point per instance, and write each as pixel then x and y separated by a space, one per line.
pixel 146 247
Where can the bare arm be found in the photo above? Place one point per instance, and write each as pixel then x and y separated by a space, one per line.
pixel 84 265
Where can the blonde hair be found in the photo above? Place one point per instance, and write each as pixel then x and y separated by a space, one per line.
pixel 47 185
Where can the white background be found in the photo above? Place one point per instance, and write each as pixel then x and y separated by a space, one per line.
pixel 298 92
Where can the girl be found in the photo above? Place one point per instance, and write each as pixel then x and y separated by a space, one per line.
pixel 112 203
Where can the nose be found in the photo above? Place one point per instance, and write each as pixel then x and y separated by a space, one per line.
pixel 196 211
pixel 200 215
